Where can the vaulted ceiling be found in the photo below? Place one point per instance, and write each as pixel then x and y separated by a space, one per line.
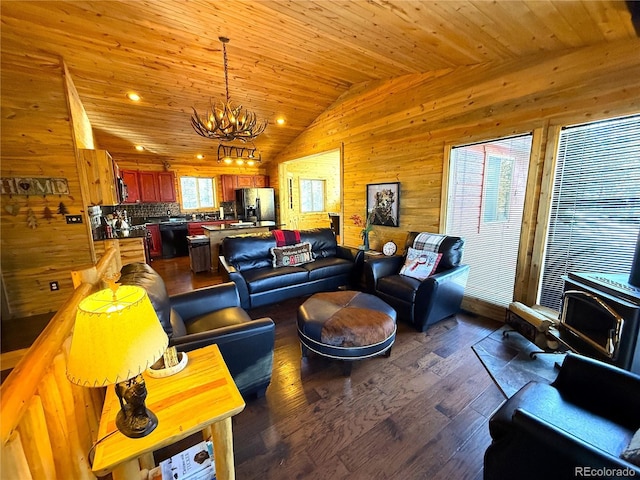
pixel 289 59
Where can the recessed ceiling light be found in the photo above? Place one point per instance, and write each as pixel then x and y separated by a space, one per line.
pixel 134 97
pixel 280 121
pixel 199 156
pixel 140 148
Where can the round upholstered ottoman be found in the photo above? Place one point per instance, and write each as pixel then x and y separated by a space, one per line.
pixel 346 325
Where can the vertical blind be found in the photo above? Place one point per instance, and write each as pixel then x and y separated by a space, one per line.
pixel 487 185
pixel 595 207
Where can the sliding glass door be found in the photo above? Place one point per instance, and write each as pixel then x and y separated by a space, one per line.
pixel 486 193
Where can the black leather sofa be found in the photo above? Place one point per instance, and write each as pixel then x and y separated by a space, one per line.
pixel 583 420
pixel 420 302
pixel 210 315
pixel 247 261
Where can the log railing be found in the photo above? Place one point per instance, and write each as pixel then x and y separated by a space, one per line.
pixel 47 423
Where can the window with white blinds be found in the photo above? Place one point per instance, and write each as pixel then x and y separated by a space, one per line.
pixel 595 208
pixel 487 183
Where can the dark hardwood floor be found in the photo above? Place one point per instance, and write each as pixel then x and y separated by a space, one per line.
pixel 420 414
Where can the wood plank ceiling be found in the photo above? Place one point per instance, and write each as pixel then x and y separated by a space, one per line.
pixel 286 58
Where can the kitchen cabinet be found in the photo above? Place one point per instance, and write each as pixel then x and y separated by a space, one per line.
pixel 244 181
pixel 157 187
pixel 148 187
pixel 155 240
pixel 98 175
pixel 130 179
pixel 261 181
pixel 166 186
pixel 231 182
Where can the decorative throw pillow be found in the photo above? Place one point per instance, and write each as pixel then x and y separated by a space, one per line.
pixel 292 255
pixel 419 264
pixel 632 452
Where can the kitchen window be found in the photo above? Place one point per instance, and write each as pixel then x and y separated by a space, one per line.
pixel 198 193
pixel 311 195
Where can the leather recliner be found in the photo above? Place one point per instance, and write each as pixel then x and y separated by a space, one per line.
pixel 210 315
pixel 420 302
pixel 580 423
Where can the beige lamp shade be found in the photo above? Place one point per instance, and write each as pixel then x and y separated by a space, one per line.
pixel 116 337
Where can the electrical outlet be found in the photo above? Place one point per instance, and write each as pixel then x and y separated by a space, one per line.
pixel 53 286
pixel 71 219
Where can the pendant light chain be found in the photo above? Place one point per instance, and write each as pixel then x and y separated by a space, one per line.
pixel 226 73
pixel 225 122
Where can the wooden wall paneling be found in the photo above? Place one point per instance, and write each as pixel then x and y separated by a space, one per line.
pixel 38 142
pixel 398 130
pixel 132 250
pixel 81 126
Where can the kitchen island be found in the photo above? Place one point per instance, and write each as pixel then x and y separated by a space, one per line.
pixel 217 232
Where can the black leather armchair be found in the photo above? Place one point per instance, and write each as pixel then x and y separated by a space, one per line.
pixel 583 420
pixel 425 302
pixel 210 315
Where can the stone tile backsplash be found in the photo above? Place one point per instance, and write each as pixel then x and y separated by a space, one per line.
pixel 139 212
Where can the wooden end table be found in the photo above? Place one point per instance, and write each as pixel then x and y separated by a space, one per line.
pixel 201 396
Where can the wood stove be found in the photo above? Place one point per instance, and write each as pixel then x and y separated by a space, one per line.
pixel 601 318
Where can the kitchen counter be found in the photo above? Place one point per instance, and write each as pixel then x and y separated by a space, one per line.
pixel 217 232
pixel 243 226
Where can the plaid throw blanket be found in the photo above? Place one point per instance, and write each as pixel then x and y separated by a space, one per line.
pixel 428 241
pixel 286 237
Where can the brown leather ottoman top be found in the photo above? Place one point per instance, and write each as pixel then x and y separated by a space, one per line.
pixel 346 319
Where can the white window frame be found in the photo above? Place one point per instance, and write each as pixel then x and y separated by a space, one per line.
pixel 200 207
pixel 307 188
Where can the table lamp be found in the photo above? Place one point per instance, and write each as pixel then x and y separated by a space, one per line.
pixel 117 336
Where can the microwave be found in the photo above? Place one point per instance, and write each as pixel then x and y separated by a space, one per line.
pixel 122 190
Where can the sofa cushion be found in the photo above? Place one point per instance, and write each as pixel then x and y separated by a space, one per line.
pixel 265 279
pixel 218 319
pixel 322 240
pixel 144 276
pixel 399 286
pixel 292 255
pixel 328 267
pixel 420 264
pixel 248 252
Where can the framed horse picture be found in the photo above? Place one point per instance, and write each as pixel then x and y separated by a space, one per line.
pixel 383 204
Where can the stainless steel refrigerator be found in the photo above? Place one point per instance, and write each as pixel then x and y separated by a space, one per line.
pixel 256 204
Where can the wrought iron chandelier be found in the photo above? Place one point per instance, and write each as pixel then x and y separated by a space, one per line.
pixel 240 155
pixel 224 122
